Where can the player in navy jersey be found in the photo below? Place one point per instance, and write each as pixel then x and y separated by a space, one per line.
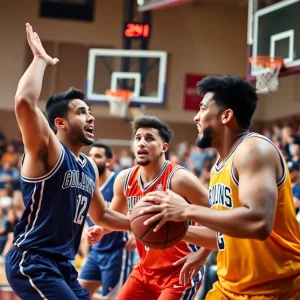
pixel 58 187
pixel 110 260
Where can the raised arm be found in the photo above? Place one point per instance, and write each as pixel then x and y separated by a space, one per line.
pixel 39 140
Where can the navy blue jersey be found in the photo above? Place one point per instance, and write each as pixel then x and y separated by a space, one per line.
pixel 116 239
pixel 56 206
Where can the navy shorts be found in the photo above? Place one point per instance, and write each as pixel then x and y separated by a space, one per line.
pixel 111 269
pixel 35 276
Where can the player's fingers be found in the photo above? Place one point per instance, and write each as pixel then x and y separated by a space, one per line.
pixel 157 193
pixel 169 192
pixel 179 261
pixel 95 229
pixel 55 61
pixel 193 274
pixel 152 198
pixel 185 277
pixel 152 219
pixel 159 225
pixel 37 37
pixel 30 31
pixel 150 209
pixel 182 274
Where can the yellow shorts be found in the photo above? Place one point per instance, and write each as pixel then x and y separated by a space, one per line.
pixel 218 293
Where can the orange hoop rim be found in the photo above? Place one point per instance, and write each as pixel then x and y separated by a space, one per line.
pixel 267 61
pixel 119 94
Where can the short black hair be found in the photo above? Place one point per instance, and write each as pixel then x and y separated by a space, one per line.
pixel 234 93
pixel 152 122
pixel 107 150
pixel 57 105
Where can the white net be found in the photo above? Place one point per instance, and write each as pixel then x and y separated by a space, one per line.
pixel 119 102
pixel 267 71
pixel 267 81
pixel 118 107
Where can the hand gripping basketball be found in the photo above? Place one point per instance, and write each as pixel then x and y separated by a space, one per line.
pixel 145 218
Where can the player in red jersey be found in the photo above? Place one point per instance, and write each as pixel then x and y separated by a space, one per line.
pixel 155 276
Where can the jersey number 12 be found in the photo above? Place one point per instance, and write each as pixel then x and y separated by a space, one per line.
pixel 80 209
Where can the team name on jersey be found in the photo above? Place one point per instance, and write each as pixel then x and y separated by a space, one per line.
pixel 220 194
pixel 75 179
pixel 131 201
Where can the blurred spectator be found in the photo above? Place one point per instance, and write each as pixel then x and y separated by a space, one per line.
pixel 17 203
pixel 294 169
pixel 3 235
pixel 2 142
pixel 17 142
pixel 125 159
pixel 10 156
pixel 8 175
pixel 6 196
pixel 12 221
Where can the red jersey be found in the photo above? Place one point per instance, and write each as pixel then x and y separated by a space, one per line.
pixel 134 190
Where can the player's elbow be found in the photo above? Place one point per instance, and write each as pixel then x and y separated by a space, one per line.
pixel 264 229
pixel 22 102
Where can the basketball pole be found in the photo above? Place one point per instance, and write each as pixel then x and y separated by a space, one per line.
pixel 131 14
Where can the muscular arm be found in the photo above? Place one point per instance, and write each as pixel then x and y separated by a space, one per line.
pixel 107 217
pixel 256 163
pixel 39 140
pixel 201 236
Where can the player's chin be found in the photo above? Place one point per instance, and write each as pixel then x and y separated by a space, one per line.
pixel 88 141
pixel 203 142
pixel 143 162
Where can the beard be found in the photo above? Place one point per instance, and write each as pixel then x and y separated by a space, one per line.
pixel 101 169
pixel 143 162
pixel 78 135
pixel 206 140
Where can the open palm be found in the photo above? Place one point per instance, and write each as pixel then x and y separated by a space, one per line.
pixel 37 47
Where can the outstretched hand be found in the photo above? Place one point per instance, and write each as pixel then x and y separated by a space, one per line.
pixel 94 234
pixel 170 207
pixel 37 47
pixel 192 264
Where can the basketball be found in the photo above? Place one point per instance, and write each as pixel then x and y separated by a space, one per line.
pixel 167 236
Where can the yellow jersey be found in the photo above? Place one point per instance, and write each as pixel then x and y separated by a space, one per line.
pixel 248 266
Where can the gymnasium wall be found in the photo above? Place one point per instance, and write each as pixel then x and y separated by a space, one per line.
pixel 200 39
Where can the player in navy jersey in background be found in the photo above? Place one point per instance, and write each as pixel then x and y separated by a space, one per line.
pixel 58 187
pixel 110 260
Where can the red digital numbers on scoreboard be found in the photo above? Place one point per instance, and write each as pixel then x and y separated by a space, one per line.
pixel 137 30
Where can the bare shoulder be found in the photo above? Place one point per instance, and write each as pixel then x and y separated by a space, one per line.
pixel 187 185
pixel 121 177
pixel 255 153
pixel 119 185
pixel 181 176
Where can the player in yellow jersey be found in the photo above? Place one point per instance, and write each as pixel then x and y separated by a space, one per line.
pixel 252 216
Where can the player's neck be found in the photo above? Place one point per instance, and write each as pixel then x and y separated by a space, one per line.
pixel 74 148
pixel 103 177
pixel 148 173
pixel 229 142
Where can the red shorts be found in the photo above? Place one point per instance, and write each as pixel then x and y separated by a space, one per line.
pixel 148 284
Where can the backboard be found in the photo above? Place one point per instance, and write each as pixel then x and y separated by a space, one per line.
pixel 274 30
pixel 141 71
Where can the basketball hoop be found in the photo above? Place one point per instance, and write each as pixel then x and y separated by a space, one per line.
pixel 118 102
pixel 268 69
